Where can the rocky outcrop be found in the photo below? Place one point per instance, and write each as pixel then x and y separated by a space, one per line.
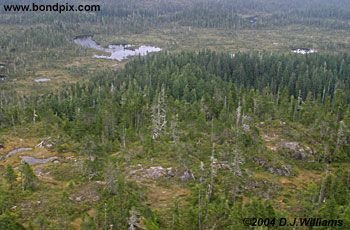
pixel 158 172
pixel 260 161
pixel 187 176
pixel 283 170
pixel 153 172
pixel 295 150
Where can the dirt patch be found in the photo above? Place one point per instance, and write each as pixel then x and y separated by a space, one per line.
pixel 87 193
pixel 161 198
pixel 304 179
pixel 75 224
pixel 270 140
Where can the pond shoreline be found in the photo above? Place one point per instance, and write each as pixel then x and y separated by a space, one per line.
pixel 117 52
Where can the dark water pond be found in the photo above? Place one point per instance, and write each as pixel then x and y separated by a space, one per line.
pixel 117 52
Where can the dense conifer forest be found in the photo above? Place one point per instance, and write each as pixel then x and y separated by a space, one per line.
pixel 197 136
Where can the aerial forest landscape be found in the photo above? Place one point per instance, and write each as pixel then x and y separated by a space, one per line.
pixel 174 114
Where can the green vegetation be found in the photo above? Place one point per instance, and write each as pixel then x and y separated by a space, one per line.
pixel 222 125
pixel 40 45
pixel 188 109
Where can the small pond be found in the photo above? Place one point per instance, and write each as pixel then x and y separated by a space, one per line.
pixel 32 160
pixel 40 80
pixel 117 52
pixel 303 51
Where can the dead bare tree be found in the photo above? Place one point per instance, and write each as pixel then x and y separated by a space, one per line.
pixel 124 137
pixel 212 173
pixel 174 128
pixel 159 119
pixel 34 115
pixel 200 198
pixel 238 114
pixel 133 220
pixel 237 161
pixel 322 195
pixel 341 135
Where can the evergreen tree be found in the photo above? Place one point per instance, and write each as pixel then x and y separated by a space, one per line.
pixel 29 180
pixel 87 223
pixel 10 176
